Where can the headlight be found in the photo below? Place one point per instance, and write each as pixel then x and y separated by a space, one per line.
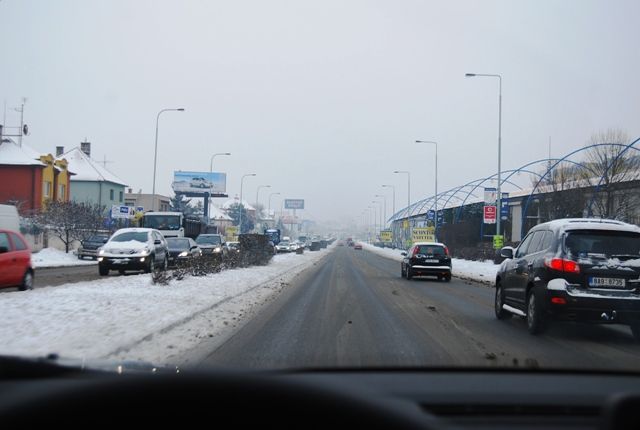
pixel 183 254
pixel 101 251
pixel 145 251
pixel 218 249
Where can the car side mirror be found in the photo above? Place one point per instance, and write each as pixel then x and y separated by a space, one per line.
pixel 3 249
pixel 157 242
pixel 403 253
pixel 506 252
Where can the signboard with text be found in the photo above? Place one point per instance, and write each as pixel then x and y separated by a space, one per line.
pixel 122 212
pixel 423 234
pixel 489 215
pixel 386 236
pixel 294 203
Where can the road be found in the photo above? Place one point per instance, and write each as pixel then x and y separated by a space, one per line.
pixel 54 276
pixel 354 309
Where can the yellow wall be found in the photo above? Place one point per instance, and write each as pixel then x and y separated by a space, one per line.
pixel 48 175
pixel 63 179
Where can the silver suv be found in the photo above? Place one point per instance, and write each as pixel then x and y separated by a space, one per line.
pixel 134 249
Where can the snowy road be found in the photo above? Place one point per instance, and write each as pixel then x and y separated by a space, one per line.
pixel 355 310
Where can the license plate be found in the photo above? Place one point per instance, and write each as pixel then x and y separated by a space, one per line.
pixel 124 261
pixel 606 282
pixel 431 260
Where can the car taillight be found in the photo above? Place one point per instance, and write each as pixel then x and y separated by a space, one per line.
pixel 446 251
pixel 562 265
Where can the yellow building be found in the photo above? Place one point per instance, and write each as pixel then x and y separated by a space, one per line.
pixel 55 179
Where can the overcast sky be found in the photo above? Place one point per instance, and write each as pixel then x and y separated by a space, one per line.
pixel 322 99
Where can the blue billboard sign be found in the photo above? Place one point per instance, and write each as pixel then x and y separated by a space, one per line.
pixel 504 206
pixel 199 182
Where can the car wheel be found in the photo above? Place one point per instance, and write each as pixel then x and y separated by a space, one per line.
pixel 104 271
pixel 151 266
pixel 80 257
pixel 27 281
pixel 165 265
pixel 447 278
pixel 401 271
pixel 501 314
pixel 535 317
pixel 635 330
pixel 409 272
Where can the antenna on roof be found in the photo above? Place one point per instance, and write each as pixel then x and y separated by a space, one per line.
pixel 105 161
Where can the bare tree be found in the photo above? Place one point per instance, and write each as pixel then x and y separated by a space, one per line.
pixel 561 196
pixel 614 170
pixel 71 221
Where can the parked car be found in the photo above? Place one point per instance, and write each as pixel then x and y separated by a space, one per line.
pixel 357 246
pixel 182 249
pixel 9 218
pixel 285 246
pixel 426 259
pixel 134 249
pixel 212 245
pixel 15 261
pixel 89 247
pixel 572 269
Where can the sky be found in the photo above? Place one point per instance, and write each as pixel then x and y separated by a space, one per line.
pixel 323 100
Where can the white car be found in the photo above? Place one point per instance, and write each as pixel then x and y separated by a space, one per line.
pixel 134 249
pixel 284 246
pixel 200 183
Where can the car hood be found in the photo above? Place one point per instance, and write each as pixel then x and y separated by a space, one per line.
pixel 131 244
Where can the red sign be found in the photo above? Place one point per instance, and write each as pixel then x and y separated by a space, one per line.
pixel 489 214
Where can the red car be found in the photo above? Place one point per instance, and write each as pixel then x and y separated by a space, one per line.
pixel 15 261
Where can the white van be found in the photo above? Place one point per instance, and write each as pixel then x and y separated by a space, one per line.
pixel 9 219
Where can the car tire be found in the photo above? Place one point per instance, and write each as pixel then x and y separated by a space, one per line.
pixel 401 271
pixel 635 331
pixel 535 317
pixel 27 281
pixel 165 265
pixel 104 271
pixel 151 265
pixel 447 278
pixel 409 273
pixel 501 314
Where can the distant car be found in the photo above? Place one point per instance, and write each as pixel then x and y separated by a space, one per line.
pixel 15 261
pixel 233 247
pixel 285 246
pixel 357 246
pixel 134 249
pixel 200 183
pixel 584 270
pixel 426 259
pixel 212 245
pixel 182 250
pixel 89 247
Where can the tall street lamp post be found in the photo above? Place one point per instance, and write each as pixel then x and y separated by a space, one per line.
pixel 435 223
pixel 241 201
pixel 408 231
pixel 155 156
pixel 271 195
pixel 383 218
pixel 499 207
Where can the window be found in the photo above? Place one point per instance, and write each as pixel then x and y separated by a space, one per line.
pixel 536 243
pixel 4 241
pixel 547 240
pixel 46 189
pixel 61 192
pixel 18 243
pixel 522 249
pixel 121 196
pixel 111 195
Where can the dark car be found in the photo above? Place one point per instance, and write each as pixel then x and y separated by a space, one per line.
pixel 572 269
pixel 182 249
pixel 15 261
pixel 212 245
pixel 426 259
pixel 89 247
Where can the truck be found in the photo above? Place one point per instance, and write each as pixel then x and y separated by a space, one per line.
pixel 273 234
pixel 176 224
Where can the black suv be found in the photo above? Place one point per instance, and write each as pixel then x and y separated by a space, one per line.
pixel 573 269
pixel 426 259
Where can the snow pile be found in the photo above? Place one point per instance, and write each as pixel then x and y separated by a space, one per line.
pixel 478 271
pixel 129 317
pixel 51 257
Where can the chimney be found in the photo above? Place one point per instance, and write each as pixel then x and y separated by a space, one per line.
pixel 59 150
pixel 86 148
pixel 130 190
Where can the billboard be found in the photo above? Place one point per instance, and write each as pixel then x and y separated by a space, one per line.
pixel 489 214
pixel 122 212
pixel 423 234
pixel 294 203
pixel 386 236
pixel 199 182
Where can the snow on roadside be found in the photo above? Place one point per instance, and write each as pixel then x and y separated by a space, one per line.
pixel 477 271
pixel 128 317
pixel 51 257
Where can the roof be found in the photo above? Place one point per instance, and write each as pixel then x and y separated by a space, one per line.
pixel 231 202
pixel 429 243
pixel 217 214
pixel 86 169
pixel 13 154
pixel 587 224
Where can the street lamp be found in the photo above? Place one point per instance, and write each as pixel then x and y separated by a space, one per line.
pixel 408 198
pixel 379 223
pixel 384 219
pixel 155 156
pixel 214 156
pixel 271 195
pixel 241 204
pixel 258 191
pixel 394 196
pixel 436 196
pixel 499 208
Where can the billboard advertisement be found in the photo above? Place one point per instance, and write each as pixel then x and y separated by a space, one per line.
pixel 122 212
pixel 489 214
pixel 423 234
pixel 199 182
pixel 293 203
pixel 386 236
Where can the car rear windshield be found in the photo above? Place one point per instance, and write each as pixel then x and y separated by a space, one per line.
pixel 138 236
pixel 208 240
pixel 178 243
pixel 430 250
pixel 585 243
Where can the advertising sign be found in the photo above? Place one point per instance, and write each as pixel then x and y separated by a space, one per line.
pixel 498 241
pixel 423 234
pixel 294 203
pixel 490 196
pixel 489 214
pixel 386 236
pixel 122 212
pixel 231 233
pixel 504 207
pixel 199 182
